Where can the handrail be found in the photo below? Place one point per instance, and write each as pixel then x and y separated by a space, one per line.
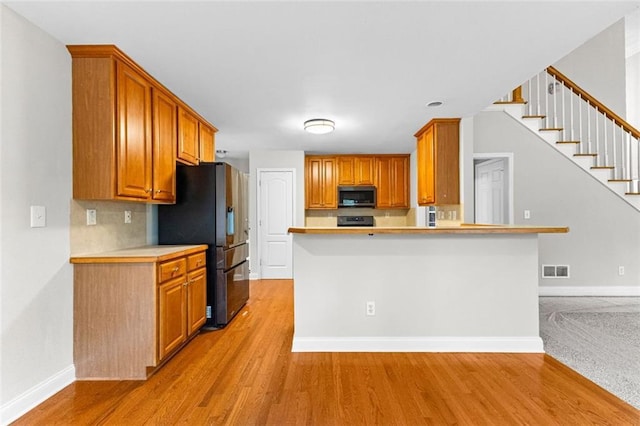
pixel 594 102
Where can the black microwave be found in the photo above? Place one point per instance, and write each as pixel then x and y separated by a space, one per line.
pixel 356 196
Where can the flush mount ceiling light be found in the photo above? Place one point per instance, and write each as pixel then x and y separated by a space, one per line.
pixel 433 104
pixel 319 126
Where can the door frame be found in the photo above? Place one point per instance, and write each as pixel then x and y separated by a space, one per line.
pixel 509 165
pixel 259 172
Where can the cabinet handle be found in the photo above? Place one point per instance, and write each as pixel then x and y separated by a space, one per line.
pixel 148 191
pixel 186 283
pixel 176 269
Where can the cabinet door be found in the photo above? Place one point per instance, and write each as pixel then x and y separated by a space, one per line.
pixel 426 167
pixel 400 182
pixel 207 144
pixel 364 168
pixel 172 315
pixel 383 182
pixel 196 300
pixel 330 187
pixel 188 137
pixel 346 171
pixel 134 134
pixel 165 137
pixel 321 183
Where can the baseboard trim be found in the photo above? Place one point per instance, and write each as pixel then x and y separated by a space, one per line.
pixel 418 344
pixel 589 291
pixel 29 399
pixel 254 276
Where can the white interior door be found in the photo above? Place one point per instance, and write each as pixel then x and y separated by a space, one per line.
pixel 275 217
pixel 491 192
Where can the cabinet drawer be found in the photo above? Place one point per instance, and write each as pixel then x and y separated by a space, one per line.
pixel 172 269
pixel 196 261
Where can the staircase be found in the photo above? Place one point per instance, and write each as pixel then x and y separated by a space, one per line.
pixel 581 128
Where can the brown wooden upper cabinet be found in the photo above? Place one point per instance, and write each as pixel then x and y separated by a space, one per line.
pixel 164 146
pixel 321 183
pixel 125 129
pixel 207 143
pixel 356 170
pixel 438 158
pixel 188 137
pixel 389 173
pixel 392 181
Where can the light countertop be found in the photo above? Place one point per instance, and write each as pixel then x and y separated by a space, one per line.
pixel 412 230
pixel 139 254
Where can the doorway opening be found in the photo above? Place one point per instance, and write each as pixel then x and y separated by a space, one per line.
pixel 493 188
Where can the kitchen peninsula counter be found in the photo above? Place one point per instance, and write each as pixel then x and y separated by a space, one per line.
pixel 412 230
pixel 468 288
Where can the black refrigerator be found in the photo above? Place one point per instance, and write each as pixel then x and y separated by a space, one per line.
pixel 211 208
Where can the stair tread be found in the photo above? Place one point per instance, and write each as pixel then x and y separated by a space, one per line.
pixel 602 167
pixel 551 129
pixel 585 155
pixel 569 142
pixel 619 180
pixel 510 102
pixel 632 193
pixel 534 116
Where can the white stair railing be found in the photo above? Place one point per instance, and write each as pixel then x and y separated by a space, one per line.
pixel 596 129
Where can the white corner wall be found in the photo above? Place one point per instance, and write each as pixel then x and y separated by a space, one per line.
pixel 36 279
pixel 266 160
pixel 599 67
pixel 604 230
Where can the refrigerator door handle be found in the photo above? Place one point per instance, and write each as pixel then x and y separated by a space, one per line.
pixel 230 221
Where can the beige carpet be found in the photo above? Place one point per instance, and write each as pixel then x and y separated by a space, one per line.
pixel 599 337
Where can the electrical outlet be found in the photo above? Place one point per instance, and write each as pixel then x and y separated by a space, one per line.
pixel 91 217
pixel 621 270
pixel 371 308
pixel 527 214
pixel 127 216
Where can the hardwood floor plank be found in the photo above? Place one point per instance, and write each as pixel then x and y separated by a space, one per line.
pixel 246 374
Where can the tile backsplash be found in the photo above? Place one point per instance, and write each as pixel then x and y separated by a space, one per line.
pixel 110 232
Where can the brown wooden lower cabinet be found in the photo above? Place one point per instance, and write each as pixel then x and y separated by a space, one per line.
pixel 135 308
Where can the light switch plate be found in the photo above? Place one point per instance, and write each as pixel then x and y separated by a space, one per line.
pixel 38 216
pixel 91 217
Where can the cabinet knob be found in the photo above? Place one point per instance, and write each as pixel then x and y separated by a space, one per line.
pixel 176 269
pixel 148 191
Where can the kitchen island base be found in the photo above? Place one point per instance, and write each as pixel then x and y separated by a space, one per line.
pixel 433 292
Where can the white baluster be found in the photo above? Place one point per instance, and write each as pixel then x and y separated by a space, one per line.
pixel 591 151
pixel 563 122
pixel 582 141
pixel 614 150
pixel 546 99
pixel 529 98
pixel 555 103
pixel 538 92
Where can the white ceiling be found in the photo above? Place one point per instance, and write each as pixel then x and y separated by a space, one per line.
pixel 258 70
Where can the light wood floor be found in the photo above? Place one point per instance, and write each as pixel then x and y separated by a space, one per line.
pixel 246 374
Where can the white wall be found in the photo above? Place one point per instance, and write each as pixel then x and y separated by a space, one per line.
pixel 273 159
pixel 632 54
pixel 36 277
pixel 598 66
pixel 604 230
